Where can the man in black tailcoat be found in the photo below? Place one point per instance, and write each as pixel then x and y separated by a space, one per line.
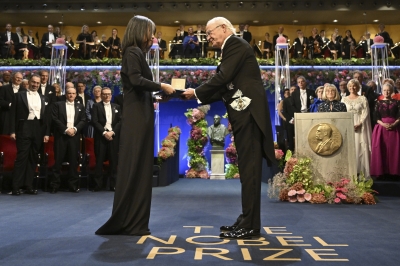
pixel 238 84
pixel 47 90
pixel 68 118
pixel 7 98
pixel 288 111
pixel 303 97
pixel 30 128
pixel 106 121
pixel 47 41
pixel 7 39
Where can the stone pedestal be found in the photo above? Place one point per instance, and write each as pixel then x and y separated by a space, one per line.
pixel 217 164
pixel 342 162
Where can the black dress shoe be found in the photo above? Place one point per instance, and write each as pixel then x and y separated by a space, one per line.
pixel 241 233
pixel 15 193
pixel 227 228
pixel 31 191
pixel 75 190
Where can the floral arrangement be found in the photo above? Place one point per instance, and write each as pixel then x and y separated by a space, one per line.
pixel 232 163
pixel 168 144
pixel 197 162
pixel 295 184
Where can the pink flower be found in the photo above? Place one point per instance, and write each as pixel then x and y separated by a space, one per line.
pixel 281 39
pixel 300 192
pixel 378 39
pixel 292 192
pixel 307 196
pixel 292 198
pixel 278 154
pixel 300 198
pixel 337 200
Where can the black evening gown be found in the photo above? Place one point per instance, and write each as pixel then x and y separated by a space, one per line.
pixel 132 200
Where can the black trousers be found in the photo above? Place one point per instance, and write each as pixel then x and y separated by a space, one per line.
pixel 29 141
pixel 290 136
pixel 249 146
pixel 66 149
pixel 105 150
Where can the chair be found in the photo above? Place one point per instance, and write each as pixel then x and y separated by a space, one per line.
pixel 89 159
pixel 8 154
pixel 49 160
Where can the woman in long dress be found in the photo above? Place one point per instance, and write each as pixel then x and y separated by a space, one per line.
pixel 132 200
pixel 358 105
pixel 385 156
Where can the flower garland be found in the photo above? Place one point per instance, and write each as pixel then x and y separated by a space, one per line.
pixel 295 184
pixel 232 166
pixel 168 144
pixel 197 162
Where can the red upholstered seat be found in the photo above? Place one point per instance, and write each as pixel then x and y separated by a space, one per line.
pixel 8 148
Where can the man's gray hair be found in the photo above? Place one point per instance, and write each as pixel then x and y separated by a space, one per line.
pixel 224 21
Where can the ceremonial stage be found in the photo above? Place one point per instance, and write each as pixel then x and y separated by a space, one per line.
pixel 185 218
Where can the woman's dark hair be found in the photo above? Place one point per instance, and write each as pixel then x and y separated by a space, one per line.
pixel 138 33
pixel 113 30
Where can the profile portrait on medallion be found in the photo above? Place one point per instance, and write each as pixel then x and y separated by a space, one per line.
pixel 324 139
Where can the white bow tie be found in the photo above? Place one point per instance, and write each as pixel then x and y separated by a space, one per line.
pixel 32 92
pixel 15 86
pixel 107 104
pixel 68 103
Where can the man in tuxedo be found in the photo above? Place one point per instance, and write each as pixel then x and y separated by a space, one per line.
pixel 237 83
pixel 244 33
pixel 7 100
pixel 183 33
pixel 68 118
pixel 343 89
pixel 63 98
pixel 29 129
pixel 288 111
pixel 106 121
pixel 6 78
pixel 162 44
pixel 303 97
pixel 366 45
pixel 48 39
pixel 279 34
pixel 300 45
pixel 81 87
pixel 47 90
pixel 7 39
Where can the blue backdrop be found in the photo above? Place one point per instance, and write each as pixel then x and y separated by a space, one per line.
pixel 172 113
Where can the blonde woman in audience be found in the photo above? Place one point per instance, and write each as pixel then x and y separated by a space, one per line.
pixel 58 89
pixel 331 99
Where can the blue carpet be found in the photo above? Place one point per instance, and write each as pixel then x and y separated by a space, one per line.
pixel 59 230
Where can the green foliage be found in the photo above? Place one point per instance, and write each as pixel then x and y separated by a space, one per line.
pixel 362 184
pixel 301 173
pixel 288 155
pixel 231 170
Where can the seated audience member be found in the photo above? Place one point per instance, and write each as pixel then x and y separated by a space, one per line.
pixel 68 119
pixel 106 120
pixel 331 100
pixel 89 106
pixel 386 135
pixel 190 44
pixel 317 100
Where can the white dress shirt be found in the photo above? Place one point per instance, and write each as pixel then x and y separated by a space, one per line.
pixel 70 114
pixel 43 88
pixel 107 108
pixel 51 37
pixel 8 35
pixel 303 99
pixel 15 88
pixel 83 98
pixel 34 105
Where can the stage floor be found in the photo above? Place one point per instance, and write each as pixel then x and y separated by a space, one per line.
pixel 59 230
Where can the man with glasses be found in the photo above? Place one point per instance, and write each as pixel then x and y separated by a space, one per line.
pixel 68 118
pixel 238 84
pixel 30 129
pixel 106 121
pixel 7 98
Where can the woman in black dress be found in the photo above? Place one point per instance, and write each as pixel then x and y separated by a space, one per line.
pixel 348 44
pixel 267 47
pixel 85 41
pixel 131 208
pixel 332 100
pixel 114 42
